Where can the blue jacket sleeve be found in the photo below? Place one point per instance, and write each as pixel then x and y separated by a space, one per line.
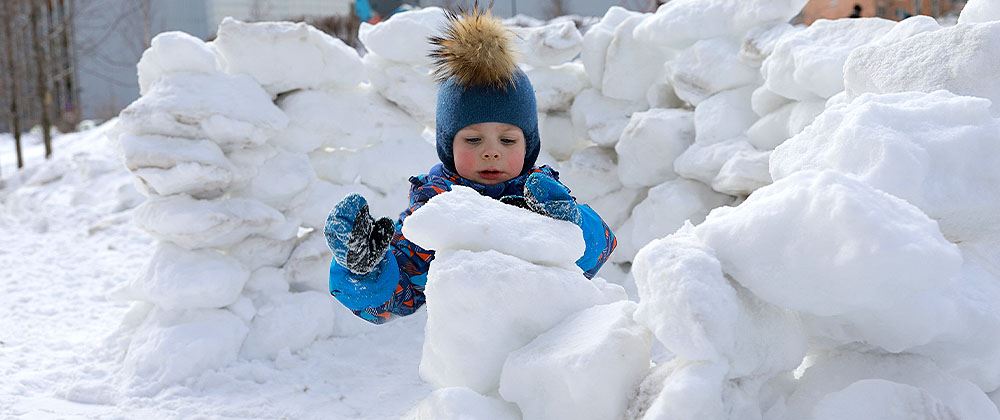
pixel 600 241
pixel 396 286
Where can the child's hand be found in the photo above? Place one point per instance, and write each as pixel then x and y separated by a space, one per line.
pixel 358 241
pixel 547 196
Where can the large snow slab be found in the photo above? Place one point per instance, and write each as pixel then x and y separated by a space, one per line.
pixel 403 37
pixel 284 56
pixel 193 223
pixel 960 59
pixel 462 219
pixel 176 278
pixel 680 23
pixel 809 64
pixel 829 245
pixel 587 367
pixel 650 142
pixel 935 150
pixel 172 52
pixel 511 300
pixel 232 110
pixel 548 45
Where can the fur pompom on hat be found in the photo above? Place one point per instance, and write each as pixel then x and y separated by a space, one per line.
pixel 480 82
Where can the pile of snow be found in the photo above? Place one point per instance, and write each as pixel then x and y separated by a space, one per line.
pixel 505 318
pixel 873 251
pixel 239 186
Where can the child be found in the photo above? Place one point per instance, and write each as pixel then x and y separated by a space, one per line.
pixel 487 139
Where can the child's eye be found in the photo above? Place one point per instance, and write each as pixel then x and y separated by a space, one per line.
pixel 473 140
pixel 508 141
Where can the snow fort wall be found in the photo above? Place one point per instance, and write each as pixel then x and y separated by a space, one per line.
pixel 661 119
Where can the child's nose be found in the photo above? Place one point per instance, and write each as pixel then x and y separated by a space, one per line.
pixel 491 155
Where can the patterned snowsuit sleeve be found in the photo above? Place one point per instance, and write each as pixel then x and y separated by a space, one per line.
pixel 396 286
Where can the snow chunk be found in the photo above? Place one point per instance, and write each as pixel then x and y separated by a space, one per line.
pixel 759 42
pixel 170 165
pixel 979 11
pixel 555 87
pixel 597 40
pixel 403 38
pixel 592 172
pixel 548 45
pixel 615 207
pixel 172 52
pixel 561 140
pixel 311 314
pixel 960 59
pixel 669 205
pixel 373 165
pixel 258 251
pixel 231 110
pixel 883 400
pixel 472 292
pixel 279 179
pixel 308 268
pixel 193 223
pixel 464 219
pixel 170 346
pixel 631 66
pixel 743 174
pixel 698 315
pixel 587 367
pixel 176 278
pixel 651 139
pixel 809 64
pixel 709 67
pixel 835 371
pixel 724 115
pixel 688 21
pixel 764 101
pixel 821 237
pixel 410 87
pixel 350 118
pixel 461 403
pixel 601 119
pixel 935 150
pixel 284 56
pixel 704 162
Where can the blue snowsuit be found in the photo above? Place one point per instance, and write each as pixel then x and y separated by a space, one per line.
pixel 395 287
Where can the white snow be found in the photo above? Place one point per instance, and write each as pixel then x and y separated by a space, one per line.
pixel 808 64
pixel 651 139
pixel 284 56
pixel 960 59
pixel 584 368
pixel 462 219
pixel 174 52
pixel 403 37
pixel 548 45
pixel 979 11
pixel 935 150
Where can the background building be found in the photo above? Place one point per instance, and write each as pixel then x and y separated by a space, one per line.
pixel 888 9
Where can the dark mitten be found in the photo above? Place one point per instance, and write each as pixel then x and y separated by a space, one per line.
pixel 357 240
pixel 547 196
pixel 516 201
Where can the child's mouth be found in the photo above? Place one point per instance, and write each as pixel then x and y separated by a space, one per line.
pixel 490 174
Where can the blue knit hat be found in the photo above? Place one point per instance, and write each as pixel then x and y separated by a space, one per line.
pixel 480 82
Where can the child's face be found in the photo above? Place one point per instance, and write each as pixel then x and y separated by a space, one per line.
pixel 489 153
